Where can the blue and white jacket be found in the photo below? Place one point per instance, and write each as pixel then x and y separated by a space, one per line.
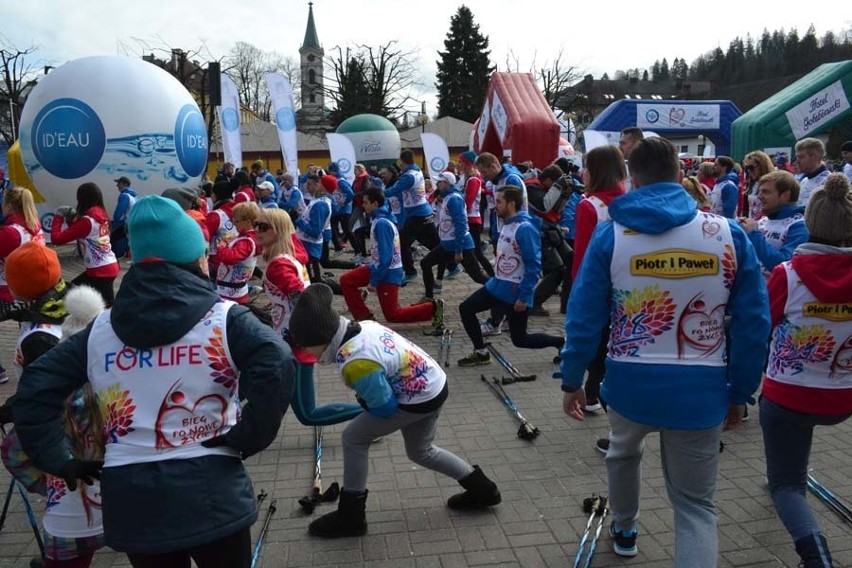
pixel 314 226
pixel 341 199
pixel 126 199
pixel 725 195
pixel 528 239
pixel 385 237
pixel 774 247
pixel 568 220
pixel 676 396
pixel 454 212
pixel 406 184
pixel 294 202
pixel 276 189
pixel 509 175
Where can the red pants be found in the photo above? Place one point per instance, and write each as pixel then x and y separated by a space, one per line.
pixel 357 278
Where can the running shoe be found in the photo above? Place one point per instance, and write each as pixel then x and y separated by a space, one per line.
pixel 623 542
pixel 475 359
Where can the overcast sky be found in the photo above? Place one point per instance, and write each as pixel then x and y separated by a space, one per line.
pixel 596 36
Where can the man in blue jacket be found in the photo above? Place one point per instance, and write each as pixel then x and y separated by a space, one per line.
pixel 725 195
pixel 516 271
pixel 456 241
pixel 665 277
pixel 383 274
pixel 419 223
pixel 126 199
pixel 341 207
pixel 782 228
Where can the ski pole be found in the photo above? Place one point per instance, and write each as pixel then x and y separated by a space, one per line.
pixel 526 431
pixel 594 545
pixel 592 504
pixel 258 548
pixel 506 364
pixel 448 347
pixel 829 499
pixel 309 502
pixel 830 494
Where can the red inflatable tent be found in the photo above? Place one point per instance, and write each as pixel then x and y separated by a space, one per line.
pixel 516 120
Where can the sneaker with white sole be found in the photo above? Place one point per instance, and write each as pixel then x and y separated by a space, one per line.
pixel 592 408
pixel 623 542
pixel 489 329
pixel 437 313
pixel 452 273
pixel 475 359
pixel 504 325
pixel 602 445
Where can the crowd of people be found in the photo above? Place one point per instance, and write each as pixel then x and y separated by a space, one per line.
pixel 684 287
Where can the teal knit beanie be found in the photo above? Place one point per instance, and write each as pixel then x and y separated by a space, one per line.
pixel 159 229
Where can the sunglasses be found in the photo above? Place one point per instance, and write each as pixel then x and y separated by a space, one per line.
pixel 261 227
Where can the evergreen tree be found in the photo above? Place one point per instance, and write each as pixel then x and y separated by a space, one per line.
pixel 655 71
pixel 645 75
pixel 664 70
pixel 463 68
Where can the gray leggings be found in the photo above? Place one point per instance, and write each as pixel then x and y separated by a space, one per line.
pixel 418 431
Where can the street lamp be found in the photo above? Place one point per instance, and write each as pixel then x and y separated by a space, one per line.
pixel 423 119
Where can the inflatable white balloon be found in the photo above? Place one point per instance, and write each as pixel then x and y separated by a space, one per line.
pixel 99 118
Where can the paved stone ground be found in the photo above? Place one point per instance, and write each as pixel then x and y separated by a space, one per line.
pixel 543 483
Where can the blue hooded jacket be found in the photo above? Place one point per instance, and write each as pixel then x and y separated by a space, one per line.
pixel 797 234
pixel 666 396
pixel 568 220
pixel 529 241
pixel 122 208
pixel 458 213
pixel 405 183
pixel 730 193
pixel 295 200
pixel 383 231
pixel 320 212
pixel 345 188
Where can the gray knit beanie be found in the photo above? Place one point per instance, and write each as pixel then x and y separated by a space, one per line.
pixel 829 212
pixel 314 321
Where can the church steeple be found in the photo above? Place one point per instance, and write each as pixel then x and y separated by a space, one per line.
pixel 311 39
pixel 313 93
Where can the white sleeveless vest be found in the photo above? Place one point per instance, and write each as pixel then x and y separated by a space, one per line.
pixel 25 238
pixel 446 228
pixel 224 234
pixel 808 185
pixel 306 215
pixel 670 293
pixel 509 265
pixel 232 279
pixel 395 205
pixel 26 329
pixel 161 403
pixel 812 345
pixel 73 514
pixel 775 233
pixel 416 195
pixel 413 375
pixel 281 304
pixel 601 208
pixel 473 211
pixel 300 206
pixel 715 196
pixel 97 250
pixel 396 259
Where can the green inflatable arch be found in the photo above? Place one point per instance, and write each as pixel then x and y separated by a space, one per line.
pixel 816 103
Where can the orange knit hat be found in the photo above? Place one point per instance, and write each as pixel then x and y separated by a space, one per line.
pixel 31 270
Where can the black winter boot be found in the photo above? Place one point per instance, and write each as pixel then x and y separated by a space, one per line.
pixel 348 520
pixel 813 550
pixel 481 493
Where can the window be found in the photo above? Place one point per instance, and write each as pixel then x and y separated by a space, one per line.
pixel 684 149
pixel 312 77
pixel 312 98
pixel 700 150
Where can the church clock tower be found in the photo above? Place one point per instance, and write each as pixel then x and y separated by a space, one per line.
pixel 313 96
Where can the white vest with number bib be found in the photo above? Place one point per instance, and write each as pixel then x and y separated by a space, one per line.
pixel 396 259
pixel 97 250
pixel 812 346
pixel 26 329
pixel 601 208
pixel 416 194
pixel 299 208
pixel 446 227
pixel 280 301
pixel 413 375
pixel 25 238
pixel 161 403
pixel 224 234
pixel 306 215
pixel 232 279
pixel 509 265
pixel 775 233
pixel 670 293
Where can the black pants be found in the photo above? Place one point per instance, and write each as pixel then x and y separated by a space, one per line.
pixel 476 233
pixel 327 262
pixel 482 300
pixel 422 230
pixel 596 370
pixel 359 228
pixel 341 221
pixel 102 285
pixel 233 551
pixel 316 265
pixel 443 257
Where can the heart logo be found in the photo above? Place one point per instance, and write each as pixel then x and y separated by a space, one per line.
pixel 710 228
pixel 507 265
pixel 676 115
pixel 180 424
pixel 699 329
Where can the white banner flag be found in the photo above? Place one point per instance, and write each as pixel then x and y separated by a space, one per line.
pixel 229 122
pixel 818 109
pixel 343 152
pixel 499 116
pixel 281 93
pixel 436 152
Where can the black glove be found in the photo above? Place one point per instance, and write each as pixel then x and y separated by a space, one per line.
pixel 215 442
pixel 75 469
